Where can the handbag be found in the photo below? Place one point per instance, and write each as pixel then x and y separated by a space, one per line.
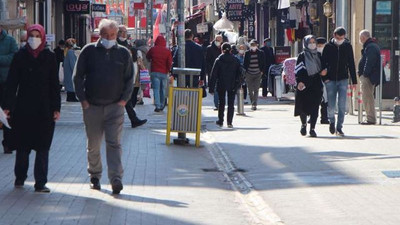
pixel 144 77
pixel 204 91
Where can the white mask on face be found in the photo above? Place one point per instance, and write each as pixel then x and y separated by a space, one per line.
pixel 122 39
pixel 253 48
pixel 217 43
pixel 241 52
pixel 312 46
pixel 320 49
pixel 34 42
pixel 339 42
pixel 108 43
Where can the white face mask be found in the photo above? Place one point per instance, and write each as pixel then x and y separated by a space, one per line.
pixel 34 42
pixel 23 43
pixel 122 39
pixel 217 43
pixel 241 52
pixel 339 42
pixel 312 46
pixel 253 48
pixel 320 49
pixel 108 43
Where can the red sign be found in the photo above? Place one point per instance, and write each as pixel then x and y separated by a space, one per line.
pixel 282 53
pixel 138 5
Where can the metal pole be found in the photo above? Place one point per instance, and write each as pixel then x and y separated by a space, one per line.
pixel 168 26
pixel 147 20
pixel 181 59
pixel 151 20
pixel 240 102
pixel 380 92
pixel 4 10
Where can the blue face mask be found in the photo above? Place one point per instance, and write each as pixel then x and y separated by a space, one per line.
pixel 268 44
pixel 108 43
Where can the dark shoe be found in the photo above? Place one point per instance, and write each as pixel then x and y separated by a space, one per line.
pixel 71 97
pixel 312 133
pixel 230 126
pixel 140 103
pixel 43 189
pixel 219 123
pixel 116 186
pixel 95 183
pixel 324 121
pixel 215 109
pixel 367 123
pixel 339 132
pixel 138 123
pixel 246 103
pixel 254 108
pixel 19 183
pixel 7 150
pixel 303 130
pixel 157 110
pixel 332 128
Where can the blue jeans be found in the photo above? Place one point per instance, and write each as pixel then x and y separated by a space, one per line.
pixel 159 83
pixel 337 90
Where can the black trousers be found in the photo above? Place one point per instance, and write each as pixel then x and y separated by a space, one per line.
pixel 244 87
pixel 41 166
pixel 324 111
pixel 231 105
pixel 130 106
pixel 313 118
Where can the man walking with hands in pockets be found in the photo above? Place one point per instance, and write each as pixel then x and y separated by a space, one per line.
pixel 103 80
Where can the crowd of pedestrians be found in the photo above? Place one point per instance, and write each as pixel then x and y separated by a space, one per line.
pixel 105 77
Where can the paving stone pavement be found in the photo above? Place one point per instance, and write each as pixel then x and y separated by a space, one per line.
pixel 315 181
pixel 162 184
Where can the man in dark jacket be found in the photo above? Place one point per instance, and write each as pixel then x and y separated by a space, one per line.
pixel 103 80
pixel 254 64
pixel 130 105
pixel 225 79
pixel 369 71
pixel 213 51
pixel 193 59
pixel 338 59
pixel 8 47
pixel 269 60
pixel 59 50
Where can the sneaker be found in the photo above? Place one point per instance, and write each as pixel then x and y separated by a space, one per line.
pixel 219 123
pixel 303 130
pixel 95 183
pixel 332 128
pixel 42 189
pixel 215 109
pixel 157 110
pixel 230 126
pixel 138 123
pixel 312 133
pixel 19 183
pixel 367 123
pixel 339 132
pixel 254 108
pixel 140 103
pixel 117 186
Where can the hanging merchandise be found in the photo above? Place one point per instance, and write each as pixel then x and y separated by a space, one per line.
pixel 131 14
pixel 223 23
pixel 293 16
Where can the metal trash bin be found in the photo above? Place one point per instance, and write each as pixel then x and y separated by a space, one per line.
pixel 184 107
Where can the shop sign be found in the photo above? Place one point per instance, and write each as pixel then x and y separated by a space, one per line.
pixel 202 28
pixel 235 10
pixel 50 37
pixel 99 8
pixel 383 8
pixel 78 7
pixel 251 27
pixel 282 53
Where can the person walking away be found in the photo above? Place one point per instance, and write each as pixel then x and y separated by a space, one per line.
pixel 213 51
pixel 269 60
pixel 73 52
pixel 33 102
pixel 254 64
pixel 161 62
pixel 59 50
pixel 8 47
pixel 338 59
pixel 225 77
pixel 142 50
pixel 130 105
pixel 240 57
pixel 309 85
pixel 103 80
pixel 369 70
pixel 321 42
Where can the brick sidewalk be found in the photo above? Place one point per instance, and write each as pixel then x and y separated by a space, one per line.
pixel 162 185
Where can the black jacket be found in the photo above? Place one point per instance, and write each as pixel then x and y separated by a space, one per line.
pixel 269 57
pixel 369 65
pixel 212 54
pixel 261 60
pixel 225 73
pixel 339 60
pixel 32 95
pixel 193 57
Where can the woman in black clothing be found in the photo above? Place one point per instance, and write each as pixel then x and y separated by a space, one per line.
pixel 33 101
pixel 309 85
pixel 225 76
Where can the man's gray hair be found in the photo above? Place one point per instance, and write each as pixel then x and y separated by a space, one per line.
pixel 106 23
pixel 121 27
pixel 365 33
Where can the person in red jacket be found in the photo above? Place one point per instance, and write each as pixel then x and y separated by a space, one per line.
pixel 161 62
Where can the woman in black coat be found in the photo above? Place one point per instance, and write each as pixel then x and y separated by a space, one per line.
pixel 225 76
pixel 33 101
pixel 309 85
